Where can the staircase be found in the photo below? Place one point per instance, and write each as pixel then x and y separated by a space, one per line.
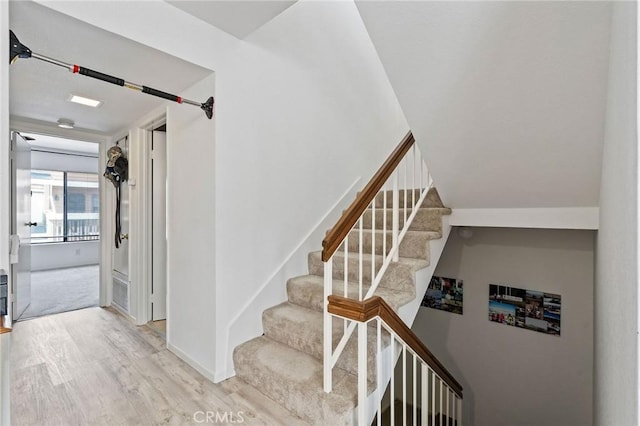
pixel 285 364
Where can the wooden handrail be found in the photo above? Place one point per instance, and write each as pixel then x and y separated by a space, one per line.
pixel 349 218
pixel 377 307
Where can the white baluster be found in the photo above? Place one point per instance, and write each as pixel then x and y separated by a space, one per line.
pixel 395 218
pixel 380 390
pixel 413 187
pixel 421 161
pixel 404 384
pixel 447 406
pixel 360 259
pixel 373 240
pixel 424 395
pixel 415 392
pixel 345 290
pixel 328 338
pixel 392 393
pixel 384 225
pixel 362 373
pixel 406 166
pixel 441 398
pixel 433 398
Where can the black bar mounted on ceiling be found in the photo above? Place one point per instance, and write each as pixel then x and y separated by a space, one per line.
pixel 19 50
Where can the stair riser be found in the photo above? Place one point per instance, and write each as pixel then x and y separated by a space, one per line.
pixel 308 338
pixel 397 276
pixel 307 292
pixel 425 219
pixel 311 297
pixel 413 245
pixel 307 403
pixel 410 198
pixel 431 200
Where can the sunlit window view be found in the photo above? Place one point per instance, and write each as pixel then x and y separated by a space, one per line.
pixel 65 206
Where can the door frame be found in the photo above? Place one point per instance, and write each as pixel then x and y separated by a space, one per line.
pixel 15 268
pixel 28 126
pixel 140 267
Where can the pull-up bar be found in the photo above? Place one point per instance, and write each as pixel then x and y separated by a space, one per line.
pixel 19 50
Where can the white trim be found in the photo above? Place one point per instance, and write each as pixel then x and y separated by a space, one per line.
pixel 139 246
pixel 224 375
pixel 637 234
pixel 194 364
pixel 548 218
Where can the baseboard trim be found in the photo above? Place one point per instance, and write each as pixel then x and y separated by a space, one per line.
pixel 224 375
pixel 191 362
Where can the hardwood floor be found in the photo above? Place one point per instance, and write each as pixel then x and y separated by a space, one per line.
pixel 159 326
pixel 93 367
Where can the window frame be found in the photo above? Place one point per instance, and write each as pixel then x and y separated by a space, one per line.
pixel 65 237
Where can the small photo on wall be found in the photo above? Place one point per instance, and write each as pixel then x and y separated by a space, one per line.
pixel 506 305
pixel 444 294
pixel 552 312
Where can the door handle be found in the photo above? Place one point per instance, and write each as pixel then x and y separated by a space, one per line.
pixel 31 224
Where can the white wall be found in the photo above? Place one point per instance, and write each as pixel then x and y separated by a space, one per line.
pixel 5 183
pixel 63 162
pixel 191 250
pixel 513 376
pixel 303 108
pixel 307 110
pixel 501 96
pixel 616 308
pixel 64 255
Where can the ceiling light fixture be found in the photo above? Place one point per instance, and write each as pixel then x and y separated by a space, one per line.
pixel 19 50
pixel 84 101
pixel 65 123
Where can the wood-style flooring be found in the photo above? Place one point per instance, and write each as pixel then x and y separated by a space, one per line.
pixel 94 367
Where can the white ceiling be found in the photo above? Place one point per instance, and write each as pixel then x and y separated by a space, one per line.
pixel 39 91
pixel 507 99
pixel 238 18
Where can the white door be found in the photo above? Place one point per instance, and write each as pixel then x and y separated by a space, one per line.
pixel 20 224
pixel 159 226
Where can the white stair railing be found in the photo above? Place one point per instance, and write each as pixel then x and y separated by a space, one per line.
pixel 405 178
pixel 424 383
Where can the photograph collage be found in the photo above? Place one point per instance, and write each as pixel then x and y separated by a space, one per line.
pixel 534 310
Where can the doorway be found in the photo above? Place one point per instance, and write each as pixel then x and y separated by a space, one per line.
pixel 55 225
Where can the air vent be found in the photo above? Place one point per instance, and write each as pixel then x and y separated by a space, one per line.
pixel 121 294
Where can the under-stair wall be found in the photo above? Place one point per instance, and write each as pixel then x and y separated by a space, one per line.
pixel 512 375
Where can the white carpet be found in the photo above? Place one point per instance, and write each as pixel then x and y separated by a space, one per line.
pixel 61 290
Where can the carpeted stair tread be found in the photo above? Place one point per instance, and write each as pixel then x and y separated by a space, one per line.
pixel 426 219
pixel 303 329
pixel 298 327
pixel 431 200
pixel 308 291
pixel 415 243
pixel 294 379
pixel 399 275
